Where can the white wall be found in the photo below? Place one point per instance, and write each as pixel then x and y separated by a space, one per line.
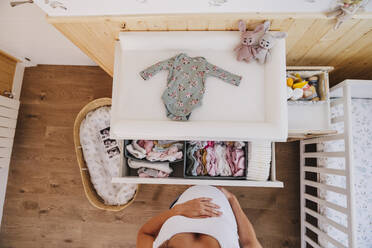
pixel 122 7
pixel 25 33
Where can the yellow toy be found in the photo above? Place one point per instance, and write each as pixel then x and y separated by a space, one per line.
pixel 299 85
pixel 290 82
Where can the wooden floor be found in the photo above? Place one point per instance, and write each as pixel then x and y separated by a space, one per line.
pixel 45 204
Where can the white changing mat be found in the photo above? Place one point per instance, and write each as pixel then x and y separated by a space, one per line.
pixel 102 165
pixel 257 109
pixel 362 144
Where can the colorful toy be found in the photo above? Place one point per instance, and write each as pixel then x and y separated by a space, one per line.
pixel 266 42
pixel 309 92
pixel 249 41
pixel 313 80
pixel 297 94
pixel 300 89
pixel 290 82
pixel 299 85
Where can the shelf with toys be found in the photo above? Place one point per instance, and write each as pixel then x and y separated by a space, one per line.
pixel 308 101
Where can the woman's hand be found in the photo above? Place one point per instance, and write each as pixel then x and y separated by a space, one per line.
pixel 227 193
pixel 198 208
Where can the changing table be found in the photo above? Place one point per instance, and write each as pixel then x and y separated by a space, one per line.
pixel 255 110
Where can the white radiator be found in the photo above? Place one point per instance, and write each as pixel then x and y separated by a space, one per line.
pixel 8 121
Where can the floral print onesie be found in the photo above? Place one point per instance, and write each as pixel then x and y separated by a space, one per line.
pixel 185 83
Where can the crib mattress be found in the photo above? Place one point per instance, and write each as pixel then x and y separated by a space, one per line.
pixel 362 162
pixel 256 109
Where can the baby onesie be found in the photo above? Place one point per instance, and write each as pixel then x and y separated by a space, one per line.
pixel 186 83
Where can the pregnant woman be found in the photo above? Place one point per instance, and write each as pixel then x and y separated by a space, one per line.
pixel 202 217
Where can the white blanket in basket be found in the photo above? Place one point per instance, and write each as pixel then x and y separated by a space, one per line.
pixel 102 156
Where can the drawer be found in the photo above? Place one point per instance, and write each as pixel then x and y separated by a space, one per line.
pixel 128 176
pixel 255 110
pixel 307 119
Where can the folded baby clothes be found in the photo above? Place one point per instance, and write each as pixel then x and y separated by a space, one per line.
pixel 223 168
pixel 146 144
pixel 211 161
pixel 186 83
pixel 194 163
pixel 259 160
pixel 151 173
pixel 236 160
pixel 154 150
pixel 164 167
pixel 136 150
pixel 216 158
pixel 170 154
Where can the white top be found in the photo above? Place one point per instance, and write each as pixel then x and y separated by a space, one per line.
pixel 223 228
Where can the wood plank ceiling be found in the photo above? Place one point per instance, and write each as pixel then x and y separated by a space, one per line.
pixel 311 37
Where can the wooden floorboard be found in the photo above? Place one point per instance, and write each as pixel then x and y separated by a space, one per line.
pixel 45 204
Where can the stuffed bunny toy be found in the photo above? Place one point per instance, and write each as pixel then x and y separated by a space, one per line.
pixel 266 42
pixel 345 10
pixel 249 41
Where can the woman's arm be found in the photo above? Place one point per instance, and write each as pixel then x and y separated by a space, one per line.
pixel 247 236
pixel 196 208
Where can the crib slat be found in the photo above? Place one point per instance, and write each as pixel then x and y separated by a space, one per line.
pixel 324 235
pixel 324 139
pixel 323 154
pixel 325 170
pixel 326 203
pixel 312 243
pixel 337 101
pixel 337 119
pixel 326 187
pixel 326 220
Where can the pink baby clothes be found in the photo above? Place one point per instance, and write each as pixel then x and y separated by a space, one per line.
pixel 149 144
pixel 211 162
pixel 146 144
pixel 229 157
pixel 239 162
pixel 136 150
pixel 141 143
pixel 209 144
pixel 223 168
pixel 171 154
pixel 151 173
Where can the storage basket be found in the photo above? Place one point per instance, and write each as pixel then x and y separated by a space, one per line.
pixel 187 160
pixel 90 192
pixel 323 83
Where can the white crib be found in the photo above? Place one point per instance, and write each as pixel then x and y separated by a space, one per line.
pixel 336 173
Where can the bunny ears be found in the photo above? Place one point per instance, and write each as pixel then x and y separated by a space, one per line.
pixel 262 27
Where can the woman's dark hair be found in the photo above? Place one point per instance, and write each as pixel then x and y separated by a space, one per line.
pixel 196 236
pixel 165 245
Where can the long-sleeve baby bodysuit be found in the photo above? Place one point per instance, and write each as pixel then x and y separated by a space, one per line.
pixel 186 83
